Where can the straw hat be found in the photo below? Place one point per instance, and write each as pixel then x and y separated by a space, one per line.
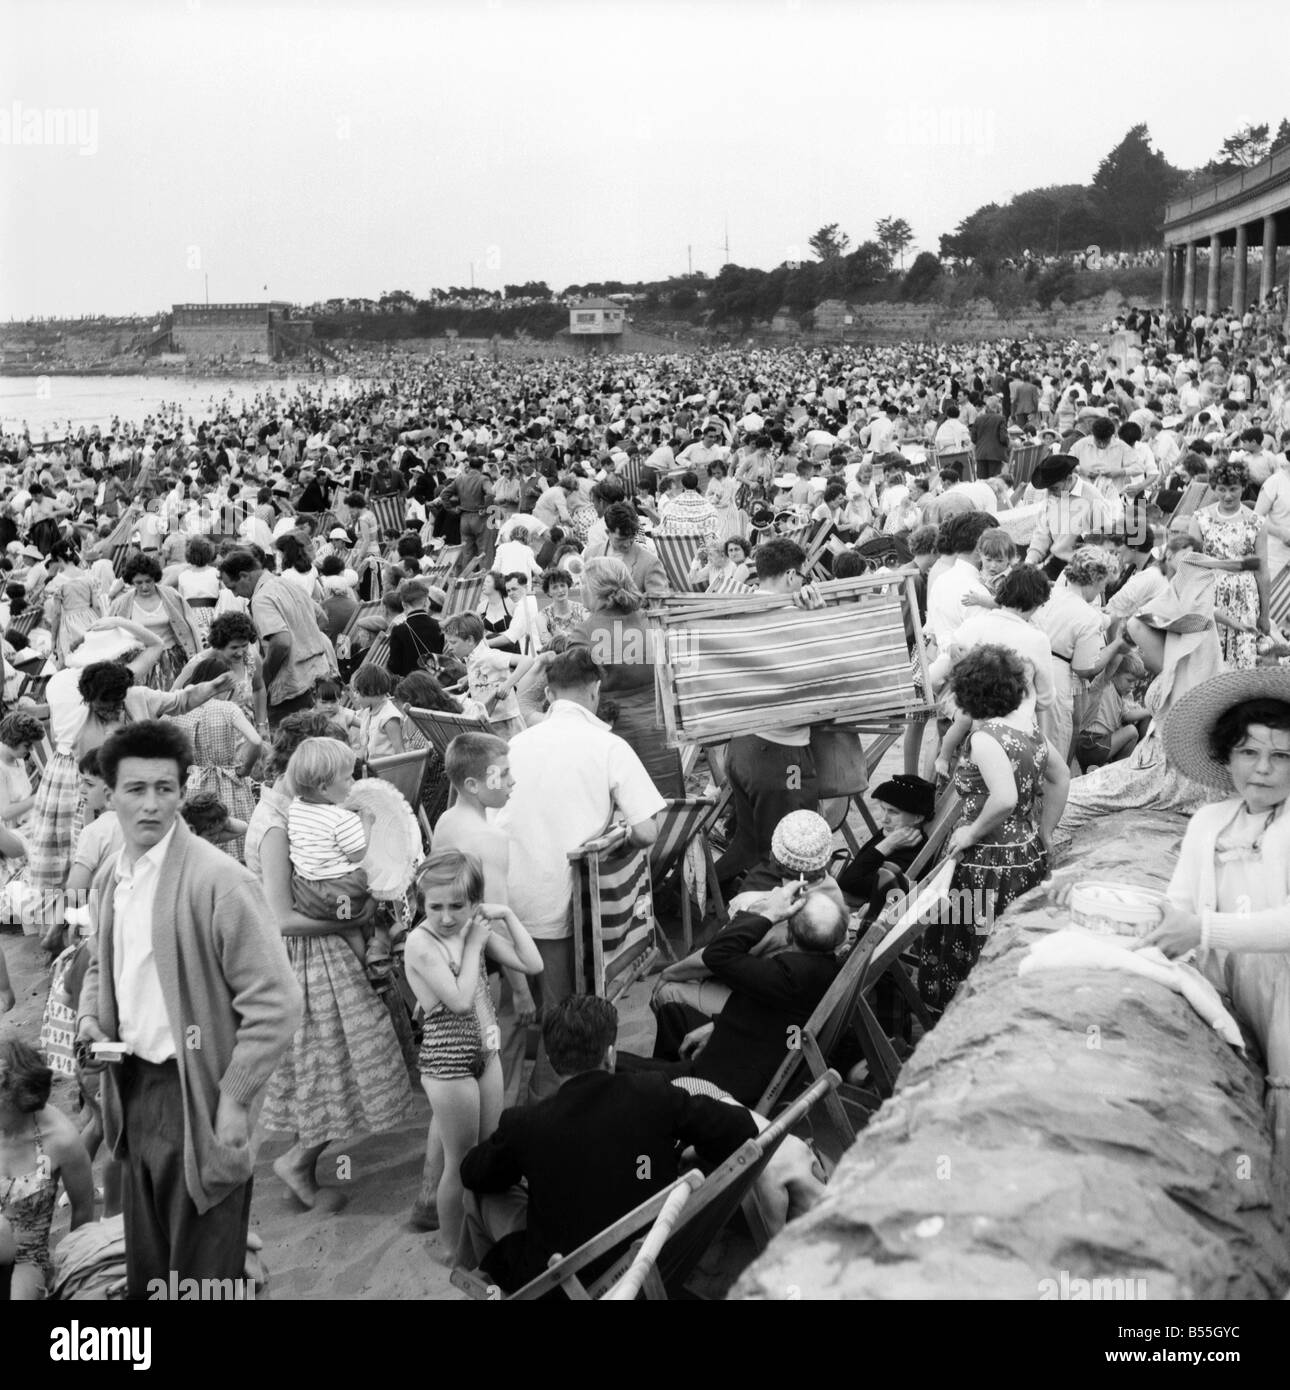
pixel 1192 719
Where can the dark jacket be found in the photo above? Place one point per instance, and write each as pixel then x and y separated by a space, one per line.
pixel 769 995
pixel 860 878
pixel 597 1148
pixel 411 641
pixel 990 437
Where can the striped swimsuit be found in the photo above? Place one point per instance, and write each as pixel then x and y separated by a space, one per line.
pixel 456 1046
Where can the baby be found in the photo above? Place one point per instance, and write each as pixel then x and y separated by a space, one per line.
pixel 327 843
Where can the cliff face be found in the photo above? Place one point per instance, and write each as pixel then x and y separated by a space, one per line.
pixel 1080 1134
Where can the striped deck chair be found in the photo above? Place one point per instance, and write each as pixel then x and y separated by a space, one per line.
pixel 683 833
pixel 630 476
pixel 727 584
pixel 1022 462
pixel 464 594
pixel 378 654
pixel 962 459
pixel 1279 598
pixel 613 914
pixel 345 641
pixel 816 546
pixel 1199 494
pixel 731 665
pixel 390 513
pixel 28 619
pixel 440 728
pixel 677 554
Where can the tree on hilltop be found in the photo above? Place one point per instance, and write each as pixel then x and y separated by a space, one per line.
pixel 1134 182
pixel 894 234
pixel 829 244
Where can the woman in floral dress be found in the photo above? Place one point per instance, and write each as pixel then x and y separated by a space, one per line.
pixel 1013 788
pixel 71 599
pixel 1234 541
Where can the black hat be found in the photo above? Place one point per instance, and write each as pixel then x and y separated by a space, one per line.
pixel 908 793
pixel 1053 469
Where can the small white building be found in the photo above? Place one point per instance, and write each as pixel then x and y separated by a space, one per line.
pixel 597 324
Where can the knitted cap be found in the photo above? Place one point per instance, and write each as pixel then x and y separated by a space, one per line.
pixel 802 842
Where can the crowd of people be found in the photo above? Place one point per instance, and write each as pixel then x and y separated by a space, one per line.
pixel 213 627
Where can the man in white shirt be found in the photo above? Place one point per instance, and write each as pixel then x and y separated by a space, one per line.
pixel 572 778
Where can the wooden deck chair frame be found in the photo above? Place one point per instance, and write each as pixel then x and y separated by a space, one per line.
pixel 464 592
pixel 962 459
pixel 386 509
pixel 597 971
pixel 441 728
pixel 345 639
pixel 405 771
pixel 816 546
pixel 677 554
pixel 1198 494
pixel 706 1212
pixel 683 821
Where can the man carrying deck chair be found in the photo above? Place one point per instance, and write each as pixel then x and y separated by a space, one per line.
pixel 589 1154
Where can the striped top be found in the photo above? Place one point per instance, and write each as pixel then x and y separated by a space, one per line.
pixel 321 838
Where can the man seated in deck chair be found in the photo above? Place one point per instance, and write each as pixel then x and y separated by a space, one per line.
pixel 739 1051
pixel 589 1154
pixel 799 851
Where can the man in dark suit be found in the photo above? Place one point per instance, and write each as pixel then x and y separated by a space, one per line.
pixel 589 1154
pixel 990 440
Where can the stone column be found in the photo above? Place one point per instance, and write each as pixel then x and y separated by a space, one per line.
pixel 1189 278
pixel 1268 272
pixel 1240 271
pixel 1215 269
pixel 1166 280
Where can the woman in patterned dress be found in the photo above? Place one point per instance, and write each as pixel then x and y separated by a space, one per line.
pixel 226 748
pixel 1234 541
pixel 71 599
pixel 1013 787
pixel 345 1073
pixel 232 639
pixel 163 612
pixel 563 613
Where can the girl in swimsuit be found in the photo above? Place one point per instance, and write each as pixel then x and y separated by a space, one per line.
pixel 444 959
pixel 38 1146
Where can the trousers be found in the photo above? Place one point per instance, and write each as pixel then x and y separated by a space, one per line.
pixel 556 982
pixel 163 1229
pixel 767 781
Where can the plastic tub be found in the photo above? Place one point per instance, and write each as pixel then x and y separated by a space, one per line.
pixel 1116 909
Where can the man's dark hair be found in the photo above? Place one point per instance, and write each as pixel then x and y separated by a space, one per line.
pixel 238 563
pixel 1024 588
pixel 622 518
pixel 689 481
pixel 150 738
pixel 608 491
pixel 573 670
pixel 1103 429
pixel 849 564
pixel 967 529
pixel 578 1031
pixel 778 556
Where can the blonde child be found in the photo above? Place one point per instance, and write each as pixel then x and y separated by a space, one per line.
pixel 491 676
pixel 327 842
pixel 444 958
pixel 380 727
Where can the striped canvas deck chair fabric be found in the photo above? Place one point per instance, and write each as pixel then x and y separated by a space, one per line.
pixel 1198 495
pixel 630 476
pixel 1022 462
pixel 378 654
pixel 677 554
pixel 464 594
pixel 1279 598
pixel 682 850
pixel 345 642
pixel 613 915
pixel 730 665
pixel 962 459
pixel 440 728
pixel 727 584
pixel 28 619
pixel 390 513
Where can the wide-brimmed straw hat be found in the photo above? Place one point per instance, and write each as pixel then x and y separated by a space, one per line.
pixel 1192 719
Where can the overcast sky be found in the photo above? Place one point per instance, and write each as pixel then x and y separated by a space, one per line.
pixel 329 148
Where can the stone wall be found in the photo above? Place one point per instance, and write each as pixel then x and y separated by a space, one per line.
pixel 1061 1128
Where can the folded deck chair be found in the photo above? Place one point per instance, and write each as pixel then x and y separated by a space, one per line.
pixel 704 1216
pixel 677 555
pixel 390 512
pixel 614 935
pixel 684 823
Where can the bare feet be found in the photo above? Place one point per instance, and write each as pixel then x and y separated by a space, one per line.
pixel 424 1216
pixel 301 1183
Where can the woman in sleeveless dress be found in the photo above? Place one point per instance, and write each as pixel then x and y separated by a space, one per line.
pixel 1234 541
pixel 1013 788
pixel 199 585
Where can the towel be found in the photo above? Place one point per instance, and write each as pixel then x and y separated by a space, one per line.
pixel 1070 949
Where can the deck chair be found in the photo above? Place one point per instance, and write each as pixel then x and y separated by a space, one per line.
pixel 962 459
pixel 677 554
pixel 706 1213
pixel 643 1269
pixel 378 653
pixel 682 823
pixel 1198 495
pixel 440 728
pixel 405 771
pixel 1022 462
pixel 345 641
pixel 27 620
pixel 614 933
pixel 817 546
pixel 390 513
pixel 630 477
pixel 837 808
pixel 1279 598
pixel 464 594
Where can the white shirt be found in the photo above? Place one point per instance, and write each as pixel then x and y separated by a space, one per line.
pixel 945 608
pixel 571 774
pixel 143 1023
pixel 1274 503
pixel 1004 627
